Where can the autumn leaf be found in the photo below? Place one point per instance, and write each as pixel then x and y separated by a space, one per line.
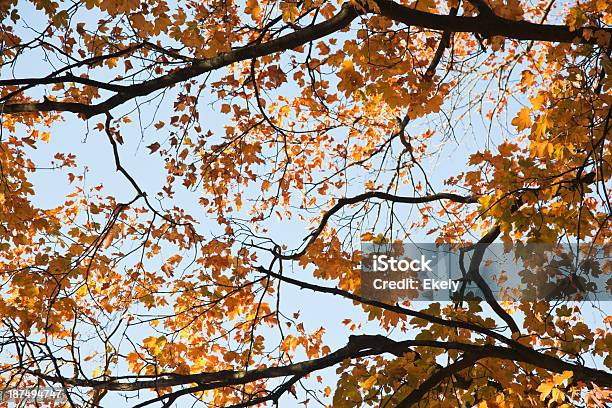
pixel 522 120
pixel 153 147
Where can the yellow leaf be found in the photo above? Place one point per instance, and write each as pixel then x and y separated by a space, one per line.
pixel 560 378
pixel 350 79
pixel 367 384
pixel 252 8
pixel 380 239
pixel 523 119
pixel 557 396
pixel 545 389
pixel 290 11
pixel 368 236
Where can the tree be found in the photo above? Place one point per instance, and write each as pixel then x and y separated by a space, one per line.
pixel 327 117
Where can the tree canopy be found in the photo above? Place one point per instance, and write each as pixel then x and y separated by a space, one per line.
pixel 286 133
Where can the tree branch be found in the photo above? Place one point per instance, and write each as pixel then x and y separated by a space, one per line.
pixel 417 395
pixel 393 308
pixel 487 25
pixel 357 347
pixel 343 202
